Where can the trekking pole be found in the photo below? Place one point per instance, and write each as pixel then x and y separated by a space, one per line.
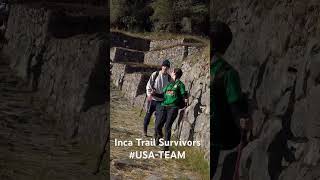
pixel 144 102
pixel 183 119
pixel 240 147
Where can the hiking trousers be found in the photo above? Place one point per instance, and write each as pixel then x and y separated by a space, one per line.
pixel 151 108
pixel 215 153
pixel 165 118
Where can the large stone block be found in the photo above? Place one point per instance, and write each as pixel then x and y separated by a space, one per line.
pixel 167 43
pixel 30 26
pixel 175 55
pixel 161 44
pixel 119 39
pixel 119 70
pixel 69 74
pixel 279 69
pixel 134 84
pixel 118 54
pixel 75 82
pixel 27 32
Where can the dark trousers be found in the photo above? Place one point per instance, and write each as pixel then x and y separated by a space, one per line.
pixel 165 117
pixel 152 107
pixel 215 152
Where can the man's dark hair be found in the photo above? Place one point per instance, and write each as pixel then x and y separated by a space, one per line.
pixel 220 37
pixel 177 72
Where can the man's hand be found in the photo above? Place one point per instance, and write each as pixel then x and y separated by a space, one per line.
pixel 153 91
pixel 149 98
pixel 245 123
pixel 186 102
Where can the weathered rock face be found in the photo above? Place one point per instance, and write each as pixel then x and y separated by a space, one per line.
pixel 119 39
pixel 23 41
pixel 74 85
pixel 118 54
pixel 174 50
pixel 193 123
pixel 132 78
pixel 276 50
pixel 175 54
pixel 67 72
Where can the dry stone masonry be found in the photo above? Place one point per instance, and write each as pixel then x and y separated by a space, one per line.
pixel 276 49
pixel 131 77
pixel 66 67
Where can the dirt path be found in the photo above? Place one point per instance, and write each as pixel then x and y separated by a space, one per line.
pixel 127 125
pixel 30 146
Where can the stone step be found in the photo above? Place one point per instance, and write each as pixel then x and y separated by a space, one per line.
pixel 132 80
pixel 119 54
pixel 167 43
pixel 134 84
pixel 119 39
pixel 119 70
pixel 176 54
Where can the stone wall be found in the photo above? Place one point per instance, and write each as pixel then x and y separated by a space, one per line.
pixel 132 80
pixel 68 74
pixel 174 54
pixel 118 71
pixel 118 54
pixel 119 39
pixel 134 85
pixel 160 44
pixel 193 123
pixel 73 84
pixel 166 43
pixel 276 50
pixel 25 42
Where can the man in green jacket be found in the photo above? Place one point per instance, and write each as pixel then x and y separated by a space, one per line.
pixel 227 114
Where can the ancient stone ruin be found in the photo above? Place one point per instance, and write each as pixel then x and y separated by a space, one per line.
pixel 61 51
pixel 134 59
pixel 276 49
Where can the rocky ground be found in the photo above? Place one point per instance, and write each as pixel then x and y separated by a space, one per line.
pixel 31 147
pixel 127 125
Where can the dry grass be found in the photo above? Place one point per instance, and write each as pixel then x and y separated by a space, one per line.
pixel 195 161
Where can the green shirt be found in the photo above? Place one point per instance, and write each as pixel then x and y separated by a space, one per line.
pixel 232 82
pixel 173 93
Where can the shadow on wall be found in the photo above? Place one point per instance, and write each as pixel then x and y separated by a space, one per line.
pixel 63 26
pixel 84 2
pixel 98 90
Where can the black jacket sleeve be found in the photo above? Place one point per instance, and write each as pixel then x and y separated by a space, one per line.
pixel 158 95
